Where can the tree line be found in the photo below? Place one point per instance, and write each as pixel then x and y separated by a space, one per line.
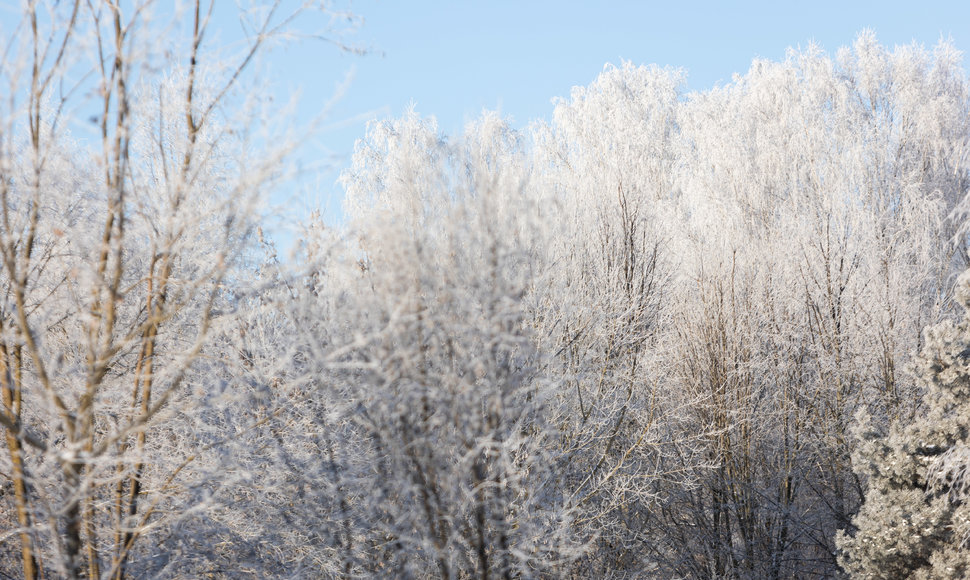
pixel 663 334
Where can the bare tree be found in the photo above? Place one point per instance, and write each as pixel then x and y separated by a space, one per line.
pixel 128 193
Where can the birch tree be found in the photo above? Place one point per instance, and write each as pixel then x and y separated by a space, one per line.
pixel 127 191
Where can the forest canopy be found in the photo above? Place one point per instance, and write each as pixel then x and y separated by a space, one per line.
pixel 663 334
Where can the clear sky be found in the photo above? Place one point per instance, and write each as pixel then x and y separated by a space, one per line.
pixel 453 59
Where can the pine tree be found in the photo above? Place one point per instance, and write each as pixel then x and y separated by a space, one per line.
pixel 915 522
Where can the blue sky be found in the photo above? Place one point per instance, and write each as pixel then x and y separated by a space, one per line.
pixel 453 59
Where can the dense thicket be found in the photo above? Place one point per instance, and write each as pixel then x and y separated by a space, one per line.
pixel 661 335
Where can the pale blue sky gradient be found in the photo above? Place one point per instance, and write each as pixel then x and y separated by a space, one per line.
pixel 454 59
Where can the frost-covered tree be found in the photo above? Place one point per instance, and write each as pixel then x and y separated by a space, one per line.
pixel 128 193
pixel 915 522
pixel 601 167
pixel 449 387
pixel 414 440
pixel 702 291
pixel 789 196
pixel 626 342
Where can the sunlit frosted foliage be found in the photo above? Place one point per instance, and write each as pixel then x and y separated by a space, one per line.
pixel 661 335
pixel 915 522
pixel 712 286
pixel 128 191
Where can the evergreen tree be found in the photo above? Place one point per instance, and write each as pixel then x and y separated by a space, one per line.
pixel 915 522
